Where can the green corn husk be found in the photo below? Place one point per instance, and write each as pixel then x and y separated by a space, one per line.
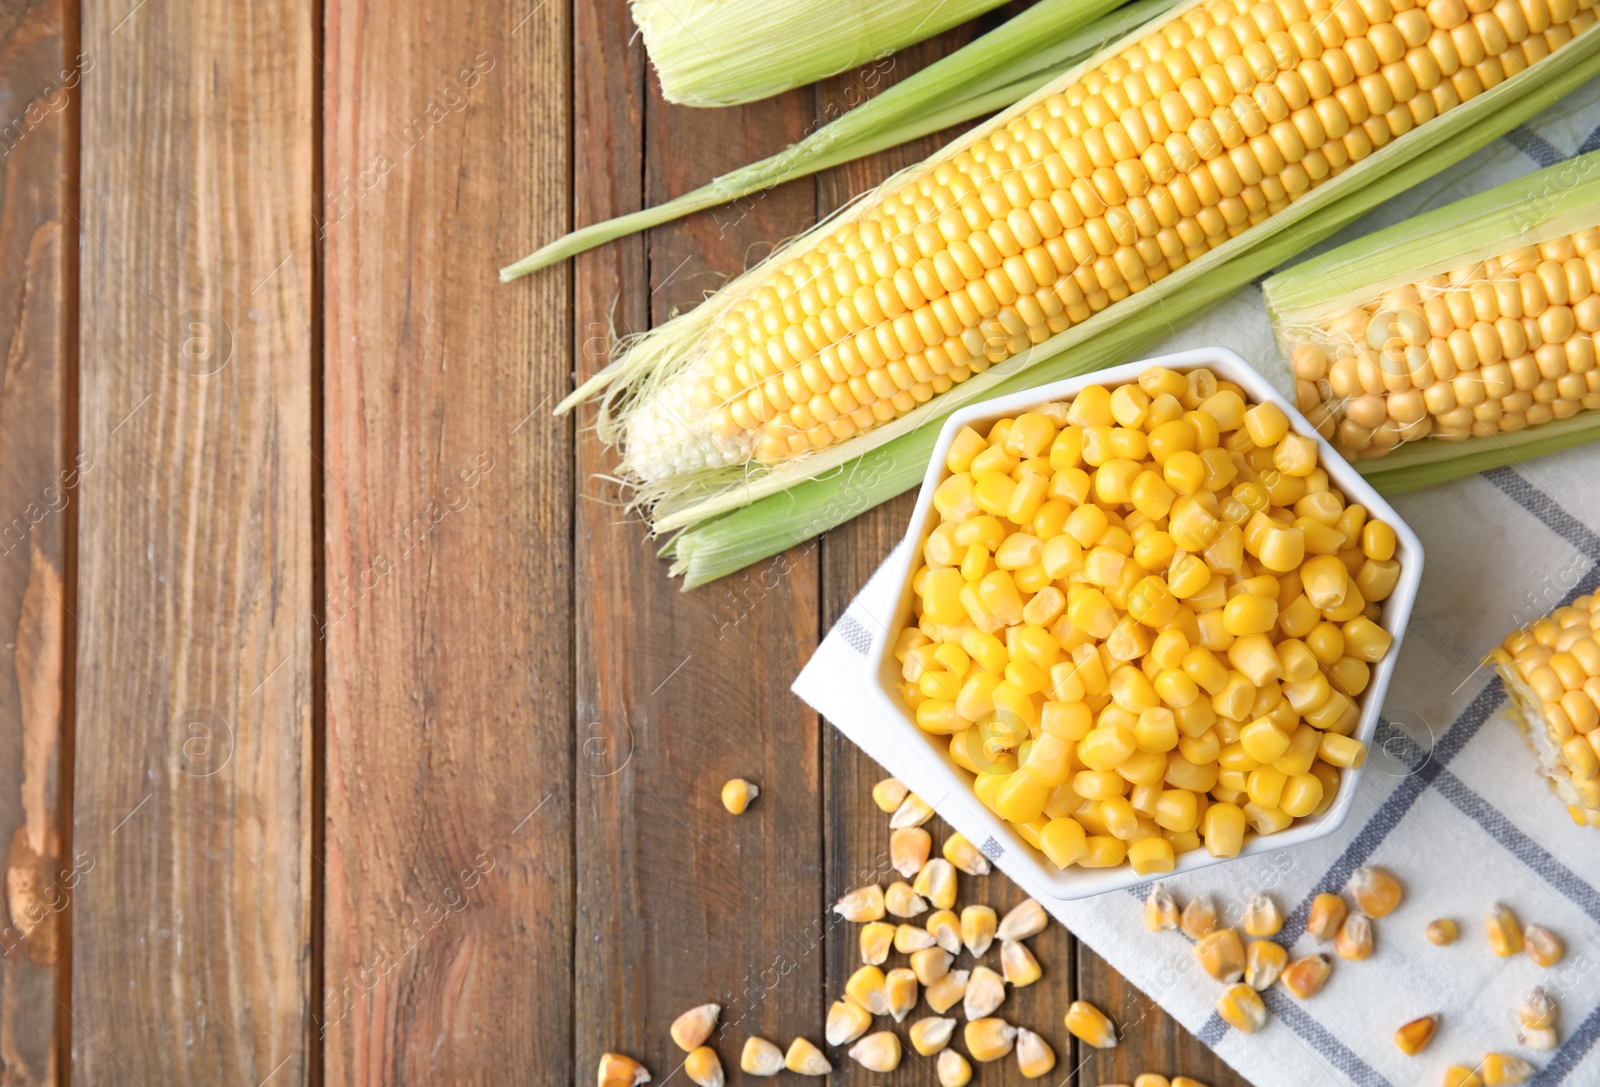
pixel 784 504
pixel 1554 202
pixel 724 52
pixel 980 78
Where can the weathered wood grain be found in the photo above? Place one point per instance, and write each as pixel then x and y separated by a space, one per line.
pixel 38 83
pixel 448 896
pixel 681 903
pixel 194 651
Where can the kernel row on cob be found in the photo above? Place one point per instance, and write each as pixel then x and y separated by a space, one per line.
pixel 1144 620
pixel 1167 165
pixel 1470 324
pixel 1551 670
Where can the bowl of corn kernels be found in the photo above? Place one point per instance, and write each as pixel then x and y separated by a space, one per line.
pixel 1146 621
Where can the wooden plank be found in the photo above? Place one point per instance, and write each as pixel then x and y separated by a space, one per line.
pixel 679 902
pixel 38 82
pixel 448 901
pixel 191 939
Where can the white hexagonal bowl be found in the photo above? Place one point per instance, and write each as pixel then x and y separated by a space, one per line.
pixel 926 754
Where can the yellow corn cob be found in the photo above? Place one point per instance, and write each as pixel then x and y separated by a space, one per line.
pixel 1413 1037
pixel 1213 121
pixel 1551 669
pixel 1089 1024
pixel 989 1039
pixel 879 1052
pixel 704 1067
pixel 760 1057
pixel 617 1070
pixel 930 1035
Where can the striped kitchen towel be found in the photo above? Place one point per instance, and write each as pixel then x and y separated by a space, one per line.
pixel 1450 801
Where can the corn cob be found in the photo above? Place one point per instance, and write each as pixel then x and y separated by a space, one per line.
pixel 1552 671
pixel 1214 122
pixel 1485 329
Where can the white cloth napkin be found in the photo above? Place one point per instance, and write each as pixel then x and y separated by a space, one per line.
pixel 1450 801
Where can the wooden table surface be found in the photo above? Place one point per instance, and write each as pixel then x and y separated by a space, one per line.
pixel 351 732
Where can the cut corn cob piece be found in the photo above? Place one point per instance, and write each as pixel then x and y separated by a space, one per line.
pixel 1505 933
pixel 888 794
pixel 1089 1024
pixel 1413 1037
pixel 806 1059
pixel 847 1021
pixel 1241 1008
pixel 1551 669
pixel 879 1052
pixel 1024 920
pixel 1472 322
pixel 738 794
pixel 1306 977
pixel 704 1067
pixel 1035 1058
pixel 1221 954
pixel 617 1070
pixel 728 355
pixel 1017 963
pixel 1376 892
pixel 691 1029
pixel 945 928
pixel 876 939
pixel 985 992
pixel 954 1071
pixel 948 991
pixel 978 927
pixel 965 856
pixel 1502 1069
pixel 760 1057
pixel 930 1035
pixel 1264 963
pixel 989 1039
pixel 1160 909
pixel 1262 917
pixel 908 850
pixel 1542 946
pixel 862 904
pixel 1441 933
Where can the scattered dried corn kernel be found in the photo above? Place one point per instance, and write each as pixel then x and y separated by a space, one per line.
pixel 1327 914
pixel 1306 977
pixel 1221 954
pixel 978 928
pixel 876 939
pixel 1026 919
pixel 1457 1076
pixel 1160 909
pixel 879 1052
pixel 1505 933
pixel 889 794
pixel 1542 946
pixel 909 938
pixel 1537 1017
pixel 1199 917
pixel 861 904
pixel 932 1034
pixel 937 883
pixel 1035 1058
pixel 1376 892
pixel 989 1039
pixel 806 1059
pixel 930 964
pixel 865 987
pixel 691 1029
pixel 617 1070
pixel 1441 933
pixel 912 812
pixel 965 856
pixel 1241 1008
pixel 760 1057
pixel 947 992
pixel 1414 1037
pixel 1017 963
pixel 945 928
pixel 900 991
pixel 738 793
pixel 1150 1079
pixel 1264 962
pixel 1089 1024
pixel 901 901
pixel 704 1067
pixel 1502 1070
pixel 954 1071
pixel 908 850
pixel 1354 941
pixel 1262 918
pixel 847 1021
pixel 986 991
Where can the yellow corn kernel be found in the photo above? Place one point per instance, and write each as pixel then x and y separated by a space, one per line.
pixel 1221 954
pixel 889 794
pixel 1354 940
pixel 1223 829
pixel 738 793
pixel 908 850
pixel 909 938
pixel 977 929
pixel 1089 1024
pixel 1263 741
pixel 704 1068
pixel 861 904
pixel 1505 933
pixel 1262 916
pixel 1063 841
pixel 1459 1076
pixel 1199 917
pixel 876 939
pixel 1150 856
pixel 1151 1079
pixel 989 1039
pixel 1413 1037
pixel 866 988
pixel 1264 961
pixel 1160 909
pixel 691 1029
pixel 936 882
pixel 965 856
pixel 1327 915
pixel 1035 1058
pixel 1542 946
pixel 1376 891
pixel 1366 640
pixel 1536 1018
pixel 948 991
pixel 1342 751
pixel 806 1059
pixel 760 1057
pixel 1442 932
pixel 1502 1070
pixel 954 1071
pixel 1241 1008
pixel 912 812
pixel 930 964
pixel 617 1070
pixel 1017 964
pixel 1302 793
pixel 985 992
pixel 899 900
pixel 878 1052
pixel 1028 918
pixel 900 990
pixel 1254 658
pixel 930 1035
pixel 1306 977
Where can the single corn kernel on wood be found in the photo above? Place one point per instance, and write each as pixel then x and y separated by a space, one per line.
pixel 930 964
pixel 1375 890
pixel 889 794
pixel 1355 938
pixel 876 939
pixel 1264 962
pixel 806 1059
pixel 900 991
pixel 760 1058
pixel 978 926
pixel 948 991
pixel 1503 1069
pixel 989 1039
pixel 879 1052
pixel 1035 1058
pixel 617 1070
pixel 861 904
pixel 1459 1076
pixel 1262 918
pixel 908 850
pixel 1199 917
pixel 1151 1079
pixel 847 1021
pixel 912 812
pixel 1441 933
pixel 937 883
pixel 986 991
pixel 909 938
pixel 1180 1081
pixel 930 1035
pixel 1221 954
pixel 1241 1008
pixel 1505 932
pixel 945 928
pixel 1542 946
pixel 866 988
pixel 1024 920
pixel 1413 1037
pixel 691 1029
pixel 1306 977
pixel 901 901
pixel 738 793
pixel 1089 1024
pixel 954 1070
pixel 704 1067
pixel 1017 964
pixel 1326 916
pixel 965 856
pixel 1160 909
